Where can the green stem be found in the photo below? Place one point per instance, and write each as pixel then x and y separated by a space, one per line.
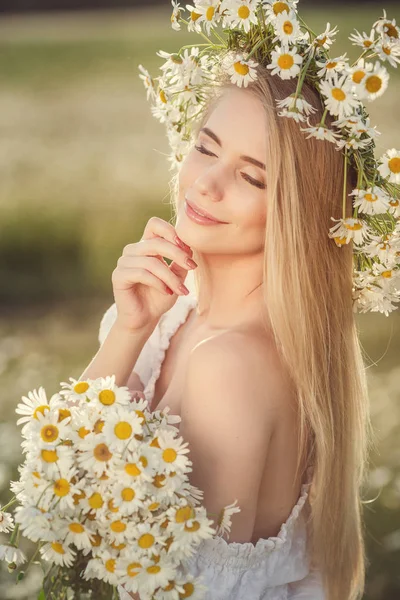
pixel 361 56
pixel 200 32
pixel 34 555
pixel 13 500
pixel 256 47
pixel 322 122
pixel 14 534
pixel 301 78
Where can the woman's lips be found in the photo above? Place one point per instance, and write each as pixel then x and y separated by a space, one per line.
pixel 194 216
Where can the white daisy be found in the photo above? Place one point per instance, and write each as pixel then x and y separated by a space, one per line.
pixel 374 83
pixel 357 125
pixel 241 70
pixel 287 28
pixel 140 467
pixel 35 524
pixel 273 8
pixel 175 24
pixel 107 393
pixel 285 62
pixel 349 229
pixel 321 133
pixel 12 554
pixel 120 429
pixel 325 39
pixel 58 553
pixel 372 201
pixel 48 431
pixel 390 165
pixel 77 392
pixel 6 521
pixel 353 143
pixel 338 94
pixel 224 520
pixel 73 531
pixel 209 14
pixel 155 572
pixel 193 26
pixel 62 492
pixel 387 28
pixel 189 526
pixel 172 453
pixel 389 52
pixel 299 104
pixel 128 498
pixel 95 455
pixel 363 40
pixel 35 403
pixel 50 461
pixel 239 13
pixel 331 66
pixel 147 539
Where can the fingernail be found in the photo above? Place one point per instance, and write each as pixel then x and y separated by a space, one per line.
pixel 183 289
pixel 181 244
pixel 169 290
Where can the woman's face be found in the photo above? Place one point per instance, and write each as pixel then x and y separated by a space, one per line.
pixel 223 182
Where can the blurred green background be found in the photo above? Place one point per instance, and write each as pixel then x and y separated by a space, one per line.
pixel 83 166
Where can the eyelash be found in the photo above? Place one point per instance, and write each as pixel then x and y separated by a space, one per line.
pixel 252 181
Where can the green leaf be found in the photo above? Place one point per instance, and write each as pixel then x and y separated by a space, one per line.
pixel 42 595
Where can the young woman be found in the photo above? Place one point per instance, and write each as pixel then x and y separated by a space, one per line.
pixel 262 359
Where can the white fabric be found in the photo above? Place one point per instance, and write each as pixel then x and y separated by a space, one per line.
pixel 275 568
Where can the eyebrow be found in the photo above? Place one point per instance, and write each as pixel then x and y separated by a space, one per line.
pixel 249 159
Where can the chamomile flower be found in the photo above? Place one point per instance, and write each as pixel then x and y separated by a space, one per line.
pixel 155 572
pixel 61 491
pixel 117 529
pixel 349 229
pixel 300 104
pixel 241 70
pixel 35 524
pixel 390 165
pixel 321 133
pixel 326 39
pixel 107 393
pixel 338 94
pixel 77 391
pixel 274 8
pixel 389 51
pixel 48 431
pixel 140 467
pixel 284 62
pixel 209 14
pixel 106 566
pixel 188 525
pixel 363 40
pixel 172 452
pixel 287 28
pixel 147 539
pixel 73 531
pixel 50 461
pixel 120 429
pixel 59 553
pixel 6 521
pixel 36 402
pixel 239 13
pixel 387 28
pixel 175 24
pixel 374 83
pixel 95 454
pixel 331 66
pixel 12 554
pixel 358 126
pixel 128 498
pixel 372 201
pixel 353 142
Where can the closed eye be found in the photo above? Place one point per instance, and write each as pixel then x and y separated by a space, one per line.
pixel 258 184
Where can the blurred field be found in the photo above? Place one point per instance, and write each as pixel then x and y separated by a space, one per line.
pixel 82 168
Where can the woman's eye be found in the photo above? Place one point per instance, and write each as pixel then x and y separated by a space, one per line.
pixel 258 184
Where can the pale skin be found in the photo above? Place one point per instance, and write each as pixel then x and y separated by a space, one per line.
pixel 233 400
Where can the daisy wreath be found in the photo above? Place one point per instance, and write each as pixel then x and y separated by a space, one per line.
pixel 272 33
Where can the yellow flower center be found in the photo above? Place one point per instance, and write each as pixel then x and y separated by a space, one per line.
pixel 373 84
pixel 153 569
pixel 321 41
pixel 154 443
pixel 57 547
pixel 243 12
pixel 358 76
pixel 162 96
pixel 101 452
pixel 96 500
pixel 367 43
pixel 76 528
pixel 394 164
pixel 49 433
pixel 371 197
pixel 146 540
pixel 40 409
pixel 210 13
pixel 338 94
pixel 279 7
pixel 169 455
pixel 118 526
pixel 240 68
pixel 184 514
pixel 154 505
pixel 95 539
pixel 285 61
pixel 131 569
pixel 81 387
pixel 123 430
pixel 140 413
pixel 132 469
pixel 128 494
pixel 159 480
pixel 391 30
pixel 111 506
pixel 356 227
pixel 386 50
pixel 189 590
pixel 386 274
pixel 288 27
pixel 63 413
pixel 82 432
pixel 61 487
pixel 98 426
pixel 194 527
pixel 194 15
pixel 107 397
pixel 49 456
pixel 144 460
pixel 110 565
pixel 331 65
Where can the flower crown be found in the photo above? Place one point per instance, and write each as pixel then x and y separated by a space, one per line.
pixel 272 33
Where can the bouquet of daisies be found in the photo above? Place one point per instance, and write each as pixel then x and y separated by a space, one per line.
pixel 105 495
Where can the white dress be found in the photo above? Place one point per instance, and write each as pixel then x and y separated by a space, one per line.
pixel 275 568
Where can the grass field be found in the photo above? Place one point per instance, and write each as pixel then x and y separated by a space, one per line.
pixel 82 168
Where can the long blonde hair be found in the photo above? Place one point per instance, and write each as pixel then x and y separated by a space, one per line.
pixel 307 290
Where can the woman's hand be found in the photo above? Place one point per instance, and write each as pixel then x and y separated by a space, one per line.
pixel 142 276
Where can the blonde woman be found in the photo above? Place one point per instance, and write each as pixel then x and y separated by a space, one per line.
pixel 261 359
